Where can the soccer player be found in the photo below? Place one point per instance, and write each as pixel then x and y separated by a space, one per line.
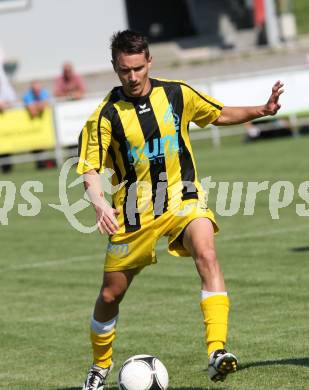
pixel 140 130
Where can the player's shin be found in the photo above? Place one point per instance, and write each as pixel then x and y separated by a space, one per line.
pixel 102 337
pixel 215 308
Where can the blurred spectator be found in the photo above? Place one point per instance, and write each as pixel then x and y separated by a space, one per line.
pixel 7 98
pixel 36 99
pixel 70 84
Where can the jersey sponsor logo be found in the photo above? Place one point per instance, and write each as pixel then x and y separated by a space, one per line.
pixel 171 117
pixel 157 148
pixel 120 249
pixel 143 108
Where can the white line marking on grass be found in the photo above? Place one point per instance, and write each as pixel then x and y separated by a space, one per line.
pixel 159 248
pixel 52 262
pixel 264 233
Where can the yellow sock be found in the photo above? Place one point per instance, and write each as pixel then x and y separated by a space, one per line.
pixel 102 348
pixel 215 310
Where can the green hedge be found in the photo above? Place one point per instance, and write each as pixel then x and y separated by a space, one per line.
pixel 301 10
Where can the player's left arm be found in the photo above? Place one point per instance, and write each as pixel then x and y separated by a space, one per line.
pixel 236 115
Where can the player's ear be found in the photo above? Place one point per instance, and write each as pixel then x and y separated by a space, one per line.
pixel 149 61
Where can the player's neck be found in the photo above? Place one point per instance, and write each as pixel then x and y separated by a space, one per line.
pixel 145 91
pixel 147 88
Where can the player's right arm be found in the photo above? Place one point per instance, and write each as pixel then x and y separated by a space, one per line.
pixel 94 142
pixel 105 214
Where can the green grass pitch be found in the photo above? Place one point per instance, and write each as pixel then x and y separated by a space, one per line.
pixel 50 275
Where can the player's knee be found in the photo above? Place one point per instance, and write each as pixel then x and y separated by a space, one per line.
pixel 206 260
pixel 111 296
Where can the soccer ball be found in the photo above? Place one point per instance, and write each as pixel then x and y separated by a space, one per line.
pixel 143 372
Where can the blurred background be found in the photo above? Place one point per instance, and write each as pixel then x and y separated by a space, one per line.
pixel 213 44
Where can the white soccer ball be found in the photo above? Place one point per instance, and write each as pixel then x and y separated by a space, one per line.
pixel 143 372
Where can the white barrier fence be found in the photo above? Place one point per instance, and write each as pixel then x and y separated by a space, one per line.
pixel 70 116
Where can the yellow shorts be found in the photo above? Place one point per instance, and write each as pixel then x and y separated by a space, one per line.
pixel 137 249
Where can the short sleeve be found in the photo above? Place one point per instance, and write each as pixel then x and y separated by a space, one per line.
pixel 44 95
pixel 28 99
pixel 93 144
pixel 81 83
pixel 202 109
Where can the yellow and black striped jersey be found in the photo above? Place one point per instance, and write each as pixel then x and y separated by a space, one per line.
pixel 146 142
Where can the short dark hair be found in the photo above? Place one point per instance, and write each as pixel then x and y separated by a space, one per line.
pixel 129 42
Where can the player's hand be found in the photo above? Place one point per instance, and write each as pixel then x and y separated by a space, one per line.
pixel 106 218
pixel 273 105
